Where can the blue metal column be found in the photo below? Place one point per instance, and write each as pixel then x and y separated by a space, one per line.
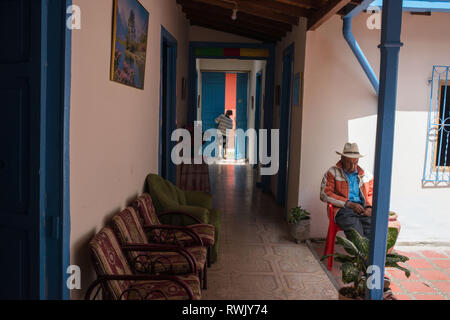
pixel 390 48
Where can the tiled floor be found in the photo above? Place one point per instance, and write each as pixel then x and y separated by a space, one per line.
pixel 258 259
pixel 430 273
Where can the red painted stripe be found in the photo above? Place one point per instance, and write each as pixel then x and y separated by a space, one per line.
pixel 231 52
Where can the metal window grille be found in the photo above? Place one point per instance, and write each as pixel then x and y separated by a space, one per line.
pixel 437 159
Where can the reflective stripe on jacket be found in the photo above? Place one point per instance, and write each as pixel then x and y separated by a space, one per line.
pixel 335 187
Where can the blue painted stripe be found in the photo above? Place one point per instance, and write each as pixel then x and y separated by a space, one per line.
pixel 420 6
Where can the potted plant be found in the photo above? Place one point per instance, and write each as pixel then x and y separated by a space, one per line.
pixel 354 263
pixel 299 224
pixel 393 223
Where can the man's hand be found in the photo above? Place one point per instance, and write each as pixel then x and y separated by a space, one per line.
pixel 356 207
pixel 367 212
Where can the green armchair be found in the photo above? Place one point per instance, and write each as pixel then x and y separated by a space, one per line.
pixel 170 201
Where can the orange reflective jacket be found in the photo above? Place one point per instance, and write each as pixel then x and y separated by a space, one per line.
pixel 335 187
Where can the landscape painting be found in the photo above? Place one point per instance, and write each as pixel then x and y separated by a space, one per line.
pixel 129 43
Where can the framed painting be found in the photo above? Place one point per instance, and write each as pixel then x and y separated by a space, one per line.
pixel 129 43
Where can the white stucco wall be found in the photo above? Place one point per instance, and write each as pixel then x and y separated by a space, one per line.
pixel 340 105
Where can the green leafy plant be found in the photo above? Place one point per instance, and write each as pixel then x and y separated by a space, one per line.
pixel 354 263
pixel 298 214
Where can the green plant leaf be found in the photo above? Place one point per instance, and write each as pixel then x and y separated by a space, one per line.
pixel 342 258
pixel 391 238
pixel 348 246
pixel 394 257
pixel 350 273
pixel 395 265
pixel 326 257
pixel 360 242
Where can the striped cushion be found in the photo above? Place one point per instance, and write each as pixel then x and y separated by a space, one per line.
pixel 109 260
pixel 205 231
pixel 199 253
pixel 173 291
pixel 172 262
pixel 146 210
pixel 129 231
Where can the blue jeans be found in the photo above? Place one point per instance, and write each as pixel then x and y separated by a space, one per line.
pixel 346 218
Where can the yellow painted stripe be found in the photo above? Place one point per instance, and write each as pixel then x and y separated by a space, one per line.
pixel 255 53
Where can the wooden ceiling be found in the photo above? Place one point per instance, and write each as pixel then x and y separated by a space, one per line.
pixel 264 20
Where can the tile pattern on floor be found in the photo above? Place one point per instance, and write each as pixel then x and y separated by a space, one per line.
pixel 258 260
pixel 430 272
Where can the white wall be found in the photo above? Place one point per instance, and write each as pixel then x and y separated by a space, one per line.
pixel 340 105
pixel 225 65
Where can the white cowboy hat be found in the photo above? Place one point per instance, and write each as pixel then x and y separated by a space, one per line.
pixel 351 150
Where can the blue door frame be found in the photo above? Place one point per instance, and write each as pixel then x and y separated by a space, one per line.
pixel 269 84
pixel 167 168
pixel 258 97
pixel 241 114
pixel 285 122
pixel 39 224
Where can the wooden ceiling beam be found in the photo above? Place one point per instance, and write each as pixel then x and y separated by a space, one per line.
pixel 234 30
pixel 238 24
pixel 213 11
pixel 315 4
pixel 330 9
pixel 276 6
pixel 246 7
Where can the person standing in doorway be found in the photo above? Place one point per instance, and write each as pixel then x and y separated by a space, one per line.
pixel 224 123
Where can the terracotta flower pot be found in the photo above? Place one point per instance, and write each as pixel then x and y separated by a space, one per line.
pixel 344 294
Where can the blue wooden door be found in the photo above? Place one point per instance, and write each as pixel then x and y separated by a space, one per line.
pixel 285 122
pixel 20 114
pixel 213 99
pixel 241 113
pixel 168 116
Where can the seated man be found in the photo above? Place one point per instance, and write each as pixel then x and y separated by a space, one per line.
pixel 349 189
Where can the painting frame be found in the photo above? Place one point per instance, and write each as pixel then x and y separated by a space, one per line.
pixel 129 43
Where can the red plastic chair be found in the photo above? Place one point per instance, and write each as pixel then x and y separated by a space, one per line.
pixel 333 229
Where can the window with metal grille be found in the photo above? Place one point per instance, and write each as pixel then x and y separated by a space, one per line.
pixel 437 162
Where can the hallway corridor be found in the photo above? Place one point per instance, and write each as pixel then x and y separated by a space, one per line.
pixel 258 260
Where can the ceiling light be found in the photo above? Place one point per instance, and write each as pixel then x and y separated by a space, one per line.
pixel 235 10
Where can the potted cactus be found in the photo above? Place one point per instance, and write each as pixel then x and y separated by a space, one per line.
pixel 299 224
pixel 354 263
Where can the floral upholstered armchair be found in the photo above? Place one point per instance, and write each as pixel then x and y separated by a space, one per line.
pixel 117 281
pixel 177 207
